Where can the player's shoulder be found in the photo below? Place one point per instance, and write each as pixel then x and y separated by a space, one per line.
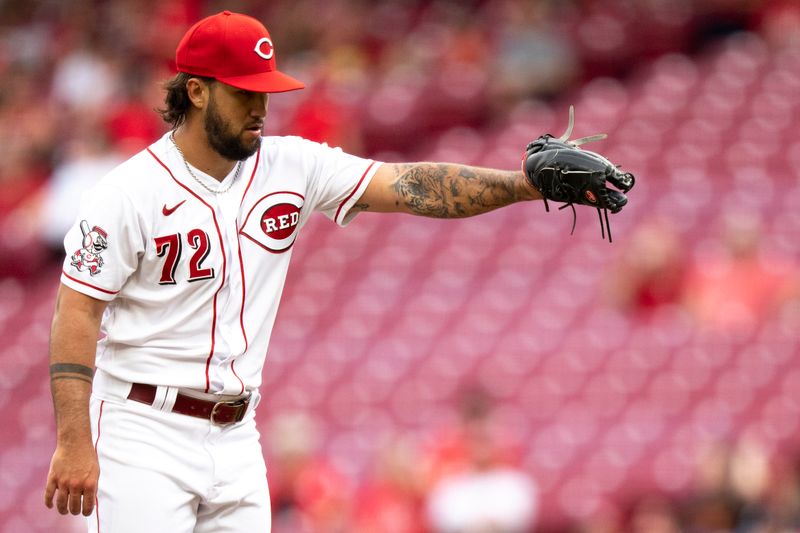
pixel 277 142
pixel 292 144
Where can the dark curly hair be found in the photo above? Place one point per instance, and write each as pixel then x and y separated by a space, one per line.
pixel 176 101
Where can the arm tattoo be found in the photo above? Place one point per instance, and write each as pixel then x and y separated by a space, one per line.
pixel 71 371
pixel 357 208
pixel 444 190
pixel 71 376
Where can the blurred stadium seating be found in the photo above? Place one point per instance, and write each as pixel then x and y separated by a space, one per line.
pixel 382 324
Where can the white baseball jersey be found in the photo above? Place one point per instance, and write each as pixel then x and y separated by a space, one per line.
pixel 194 277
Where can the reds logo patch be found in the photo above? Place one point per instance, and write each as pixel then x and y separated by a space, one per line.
pixel 273 220
pixel 87 258
pixel 590 196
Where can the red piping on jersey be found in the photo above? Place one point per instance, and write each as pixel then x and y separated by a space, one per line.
pixel 341 205
pixel 87 284
pixel 224 264
pixel 241 261
pixel 96 442
pixel 270 250
pixel 241 269
pixel 253 175
pixel 241 391
pixel 244 292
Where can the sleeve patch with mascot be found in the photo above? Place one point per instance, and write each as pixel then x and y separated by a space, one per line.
pixel 95 240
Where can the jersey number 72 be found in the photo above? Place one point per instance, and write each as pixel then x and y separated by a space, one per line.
pixel 170 247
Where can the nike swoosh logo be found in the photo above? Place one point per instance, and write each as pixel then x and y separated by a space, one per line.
pixel 168 211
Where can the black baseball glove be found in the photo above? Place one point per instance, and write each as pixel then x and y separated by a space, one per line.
pixel 562 172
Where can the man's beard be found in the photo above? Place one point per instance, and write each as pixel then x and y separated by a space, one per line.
pixel 221 140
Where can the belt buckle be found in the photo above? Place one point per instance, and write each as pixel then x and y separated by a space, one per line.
pixel 239 405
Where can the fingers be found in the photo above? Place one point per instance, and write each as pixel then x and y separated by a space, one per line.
pixel 49 492
pixel 74 504
pixel 62 499
pixel 88 501
pixel 78 500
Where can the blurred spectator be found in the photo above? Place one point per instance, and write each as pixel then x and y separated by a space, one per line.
pixel 651 271
pixel 451 450
pixel 484 500
pixel 782 499
pixel 716 19
pixel 21 179
pixel 476 488
pixel 85 80
pixel 607 519
pixel 533 58
pixel 736 287
pixel 27 138
pixel 654 514
pixel 21 176
pixel 730 488
pixel 780 22
pixel 309 495
pixel 131 123
pixel 322 117
pixel 390 501
pixel 87 158
pixel 26 135
pixel 737 488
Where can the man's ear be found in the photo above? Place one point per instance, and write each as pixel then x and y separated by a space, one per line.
pixel 197 90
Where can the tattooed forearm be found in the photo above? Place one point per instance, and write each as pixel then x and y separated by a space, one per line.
pixel 453 191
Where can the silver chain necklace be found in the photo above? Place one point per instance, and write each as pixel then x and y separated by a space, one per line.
pixel 198 180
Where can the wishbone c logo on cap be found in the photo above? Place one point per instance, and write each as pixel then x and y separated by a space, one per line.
pixel 259 49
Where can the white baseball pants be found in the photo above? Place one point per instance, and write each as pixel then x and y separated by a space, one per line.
pixel 172 473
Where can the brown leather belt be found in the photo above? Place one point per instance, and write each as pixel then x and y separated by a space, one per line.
pixel 220 413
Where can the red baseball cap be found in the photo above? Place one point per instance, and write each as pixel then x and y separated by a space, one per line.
pixel 236 50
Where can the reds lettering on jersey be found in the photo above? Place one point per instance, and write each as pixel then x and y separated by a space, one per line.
pixel 272 222
pixel 194 278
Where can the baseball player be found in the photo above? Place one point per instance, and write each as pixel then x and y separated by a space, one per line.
pixel 155 421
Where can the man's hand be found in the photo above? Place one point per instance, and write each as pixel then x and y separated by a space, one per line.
pixel 73 479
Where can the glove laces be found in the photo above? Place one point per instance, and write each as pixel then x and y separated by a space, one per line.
pixel 605 225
